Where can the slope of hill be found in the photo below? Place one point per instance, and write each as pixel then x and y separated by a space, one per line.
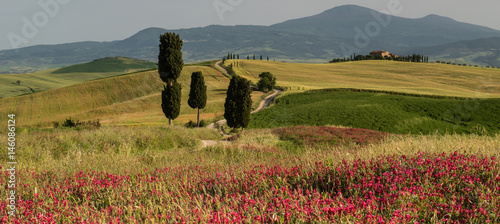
pixel 417 78
pixel 135 98
pixel 125 99
pixel 58 78
pixel 484 51
pixel 316 38
pixel 114 64
pixel 383 112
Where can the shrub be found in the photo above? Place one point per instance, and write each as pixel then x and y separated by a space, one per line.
pixel 192 124
pixel 267 82
pixel 70 123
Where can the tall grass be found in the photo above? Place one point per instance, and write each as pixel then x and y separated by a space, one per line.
pixel 160 174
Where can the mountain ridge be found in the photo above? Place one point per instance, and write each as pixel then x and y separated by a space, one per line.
pixel 314 38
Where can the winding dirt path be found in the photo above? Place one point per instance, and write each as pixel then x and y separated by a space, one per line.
pixel 266 102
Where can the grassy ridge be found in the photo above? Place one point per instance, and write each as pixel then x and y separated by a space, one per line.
pixel 382 112
pixel 116 64
pixel 72 75
pixel 416 78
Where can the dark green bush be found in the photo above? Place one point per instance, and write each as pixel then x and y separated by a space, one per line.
pixel 192 124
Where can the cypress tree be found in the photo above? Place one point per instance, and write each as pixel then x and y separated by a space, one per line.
pixel 238 103
pixel 170 61
pixel 171 101
pixel 198 93
pixel 170 65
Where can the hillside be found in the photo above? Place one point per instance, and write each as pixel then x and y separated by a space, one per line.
pixel 113 64
pixel 383 112
pixel 135 98
pixel 126 99
pixel 476 52
pixel 312 39
pixel 417 78
pixel 67 76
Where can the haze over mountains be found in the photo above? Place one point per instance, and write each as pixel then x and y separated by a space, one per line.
pixel 316 39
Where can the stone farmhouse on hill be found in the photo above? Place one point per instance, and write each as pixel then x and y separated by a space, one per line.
pixel 382 54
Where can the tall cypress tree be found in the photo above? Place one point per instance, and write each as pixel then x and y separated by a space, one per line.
pixel 170 65
pixel 198 93
pixel 171 101
pixel 238 103
pixel 170 61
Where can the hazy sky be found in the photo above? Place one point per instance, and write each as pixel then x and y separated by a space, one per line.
pixel 25 23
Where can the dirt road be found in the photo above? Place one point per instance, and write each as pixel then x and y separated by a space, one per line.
pixel 266 102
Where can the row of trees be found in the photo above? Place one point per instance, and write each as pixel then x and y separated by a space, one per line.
pixel 459 64
pixel 237 56
pixel 238 104
pixel 408 58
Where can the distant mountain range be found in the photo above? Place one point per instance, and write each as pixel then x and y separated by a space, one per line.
pixel 317 38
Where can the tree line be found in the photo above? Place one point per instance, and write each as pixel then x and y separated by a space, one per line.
pixel 407 58
pixel 231 56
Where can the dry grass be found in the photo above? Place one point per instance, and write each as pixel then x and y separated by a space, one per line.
pixel 123 100
pixel 419 78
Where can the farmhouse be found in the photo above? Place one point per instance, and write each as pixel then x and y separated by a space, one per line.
pixel 382 54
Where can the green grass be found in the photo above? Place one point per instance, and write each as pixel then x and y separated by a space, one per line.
pixel 114 64
pixel 416 78
pixel 63 77
pixel 382 112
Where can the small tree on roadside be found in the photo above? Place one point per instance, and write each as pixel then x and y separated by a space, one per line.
pixel 238 103
pixel 198 93
pixel 267 82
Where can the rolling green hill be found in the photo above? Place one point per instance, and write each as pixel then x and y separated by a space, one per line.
pixel 104 65
pixel 58 78
pixel 383 112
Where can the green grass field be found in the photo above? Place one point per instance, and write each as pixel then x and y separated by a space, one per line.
pixel 67 76
pixel 383 112
pixel 416 78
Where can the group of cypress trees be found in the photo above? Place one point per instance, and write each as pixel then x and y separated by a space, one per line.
pixel 170 66
pixel 238 102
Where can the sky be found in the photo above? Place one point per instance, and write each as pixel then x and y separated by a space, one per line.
pixel 28 23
